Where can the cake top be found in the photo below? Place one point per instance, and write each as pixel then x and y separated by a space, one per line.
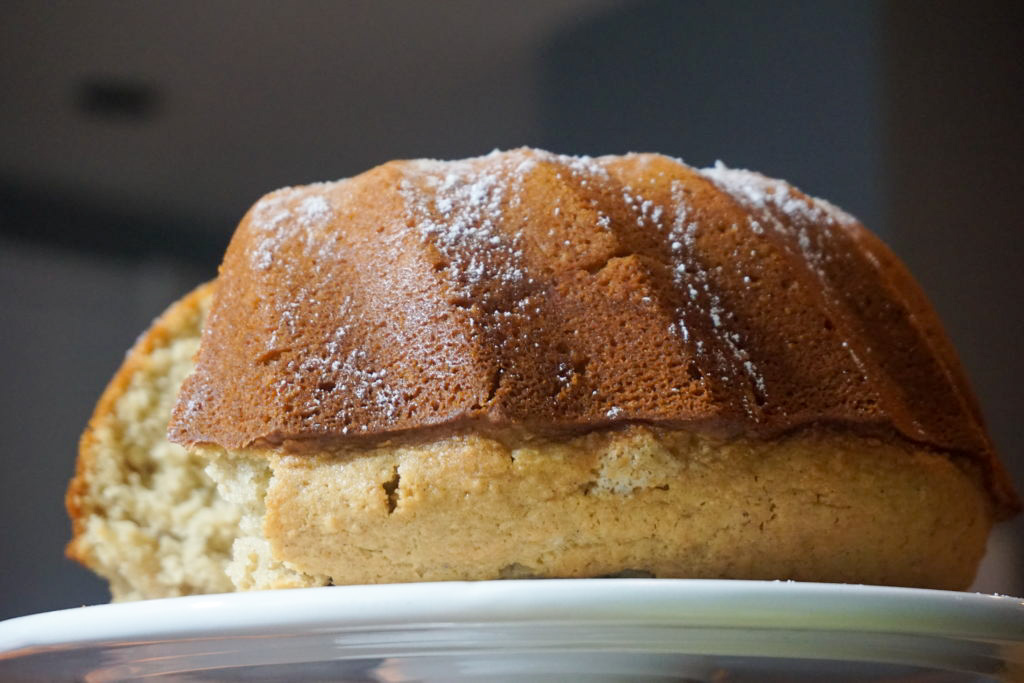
pixel 561 293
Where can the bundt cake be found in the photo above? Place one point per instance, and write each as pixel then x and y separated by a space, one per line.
pixel 532 365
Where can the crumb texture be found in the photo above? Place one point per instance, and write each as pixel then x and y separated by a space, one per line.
pixel 145 515
pixel 253 566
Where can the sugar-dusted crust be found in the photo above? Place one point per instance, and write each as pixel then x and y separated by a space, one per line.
pixel 814 506
pixel 144 514
pixel 565 294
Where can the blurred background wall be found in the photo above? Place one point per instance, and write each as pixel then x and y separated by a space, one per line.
pixel 133 136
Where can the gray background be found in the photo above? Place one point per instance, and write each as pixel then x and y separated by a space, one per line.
pixel 134 135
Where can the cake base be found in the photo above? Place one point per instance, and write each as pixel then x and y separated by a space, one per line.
pixel 634 501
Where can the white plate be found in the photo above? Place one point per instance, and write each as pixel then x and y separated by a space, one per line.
pixel 591 629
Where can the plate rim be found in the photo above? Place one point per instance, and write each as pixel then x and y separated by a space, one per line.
pixel 696 603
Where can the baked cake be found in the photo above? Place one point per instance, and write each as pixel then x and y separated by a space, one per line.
pixel 532 365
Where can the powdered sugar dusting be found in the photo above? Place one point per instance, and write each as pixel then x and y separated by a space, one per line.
pixel 285 217
pixel 469 211
pixel 365 385
pixel 694 281
pixel 810 220
pixel 313 211
pixel 458 207
pixel 810 223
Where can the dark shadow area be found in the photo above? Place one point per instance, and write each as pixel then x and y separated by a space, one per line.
pixel 790 89
pixel 30 214
pixel 954 94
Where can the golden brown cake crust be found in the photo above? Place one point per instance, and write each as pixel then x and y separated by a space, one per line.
pixel 561 294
